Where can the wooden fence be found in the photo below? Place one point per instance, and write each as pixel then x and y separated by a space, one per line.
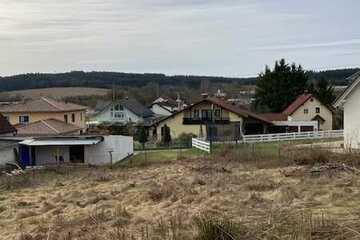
pixel 293 136
pixel 201 144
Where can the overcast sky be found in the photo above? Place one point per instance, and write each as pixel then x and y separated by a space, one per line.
pixel 202 37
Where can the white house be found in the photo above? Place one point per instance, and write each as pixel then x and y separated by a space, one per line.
pixel 304 114
pixel 167 106
pixel 121 111
pixel 349 100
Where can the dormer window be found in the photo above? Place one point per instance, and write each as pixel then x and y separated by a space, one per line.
pixel 117 112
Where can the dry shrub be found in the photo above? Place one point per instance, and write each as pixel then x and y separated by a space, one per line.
pixel 261 184
pixel 161 192
pixel 311 157
pixel 286 224
pixel 101 176
pixel 17 182
pixel 288 194
pixel 212 228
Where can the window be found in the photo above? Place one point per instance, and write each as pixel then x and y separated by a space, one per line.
pixel 23 119
pixel 117 112
pixel 119 115
pixel 73 117
pixel 6 117
pixel 317 110
pixel 196 114
pixel 306 111
pixel 206 114
pixel 81 116
pixel 66 118
pixel 119 107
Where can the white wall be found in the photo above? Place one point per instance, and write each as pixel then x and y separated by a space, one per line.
pixel 160 110
pixel 46 155
pixel 325 113
pixel 352 120
pixel 122 147
pixel 7 155
pixel 105 116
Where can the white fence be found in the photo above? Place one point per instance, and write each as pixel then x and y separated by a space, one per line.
pixel 201 144
pixel 293 136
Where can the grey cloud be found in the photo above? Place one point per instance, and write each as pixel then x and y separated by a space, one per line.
pixel 212 37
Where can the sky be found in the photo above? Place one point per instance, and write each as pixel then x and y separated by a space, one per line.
pixel 199 37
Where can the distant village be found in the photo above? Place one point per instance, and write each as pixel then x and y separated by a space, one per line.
pixel 36 131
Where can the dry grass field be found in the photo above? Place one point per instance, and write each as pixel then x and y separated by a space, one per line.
pixel 57 93
pixel 232 194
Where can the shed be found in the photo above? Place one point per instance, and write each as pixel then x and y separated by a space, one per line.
pixel 94 150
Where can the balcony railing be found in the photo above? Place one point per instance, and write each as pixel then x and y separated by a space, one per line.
pixel 189 121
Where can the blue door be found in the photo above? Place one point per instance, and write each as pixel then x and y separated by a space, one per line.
pixel 24 155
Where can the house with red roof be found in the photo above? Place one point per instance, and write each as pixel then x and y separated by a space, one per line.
pixel 211 118
pixel 306 113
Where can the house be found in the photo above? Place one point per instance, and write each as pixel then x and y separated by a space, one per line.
pixel 93 150
pixel 6 129
pixel 48 127
pixel 306 113
pixel 167 106
pixel 7 152
pixel 213 118
pixel 349 101
pixel 122 111
pixel 30 111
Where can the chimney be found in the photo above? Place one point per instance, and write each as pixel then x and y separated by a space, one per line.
pixel 179 103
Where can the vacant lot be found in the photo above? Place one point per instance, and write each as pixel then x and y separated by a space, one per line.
pixel 188 195
pixel 55 93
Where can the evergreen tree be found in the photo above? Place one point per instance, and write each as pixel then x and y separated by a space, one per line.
pixel 277 88
pixel 324 91
pixel 142 136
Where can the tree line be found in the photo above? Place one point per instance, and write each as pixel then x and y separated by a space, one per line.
pixel 135 80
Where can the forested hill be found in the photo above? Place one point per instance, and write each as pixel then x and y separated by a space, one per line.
pixel 130 80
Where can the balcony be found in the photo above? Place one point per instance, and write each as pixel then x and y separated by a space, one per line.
pixel 190 121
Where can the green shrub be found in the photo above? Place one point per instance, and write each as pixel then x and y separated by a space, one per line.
pixel 184 140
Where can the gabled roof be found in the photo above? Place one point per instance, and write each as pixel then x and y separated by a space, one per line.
pixel 131 104
pixel 5 126
pixel 49 127
pixel 355 80
pixel 41 105
pixel 223 104
pixel 301 100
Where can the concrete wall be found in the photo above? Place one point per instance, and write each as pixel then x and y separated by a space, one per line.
pixel 352 120
pixel 325 113
pixel 105 116
pixel 34 117
pixel 7 155
pixel 121 146
pixel 47 155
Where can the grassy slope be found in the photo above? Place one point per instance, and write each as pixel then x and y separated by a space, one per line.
pixel 165 194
